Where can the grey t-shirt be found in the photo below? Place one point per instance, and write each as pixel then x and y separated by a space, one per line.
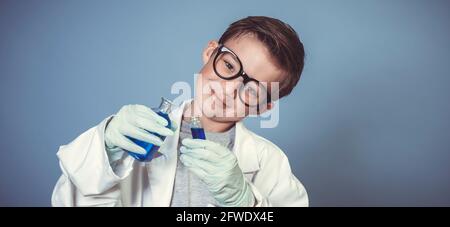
pixel 189 190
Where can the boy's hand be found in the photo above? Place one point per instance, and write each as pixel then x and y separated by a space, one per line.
pixel 136 121
pixel 218 168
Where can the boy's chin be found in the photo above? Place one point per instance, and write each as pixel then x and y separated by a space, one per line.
pixel 226 119
pixel 224 115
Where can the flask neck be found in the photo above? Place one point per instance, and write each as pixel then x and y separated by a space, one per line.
pixel 165 106
pixel 195 122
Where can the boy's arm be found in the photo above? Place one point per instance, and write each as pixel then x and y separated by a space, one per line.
pixel 88 179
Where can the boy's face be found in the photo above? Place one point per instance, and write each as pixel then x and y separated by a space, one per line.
pixel 220 99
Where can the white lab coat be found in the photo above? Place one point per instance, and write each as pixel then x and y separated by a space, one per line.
pixel 89 180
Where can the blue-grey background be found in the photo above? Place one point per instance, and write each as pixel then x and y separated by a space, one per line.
pixel 368 124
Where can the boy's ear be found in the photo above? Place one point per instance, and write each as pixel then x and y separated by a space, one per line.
pixel 209 50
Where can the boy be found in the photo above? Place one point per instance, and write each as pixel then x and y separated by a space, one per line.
pixel 255 58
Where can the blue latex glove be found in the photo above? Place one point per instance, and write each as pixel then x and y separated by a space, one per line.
pixel 135 121
pixel 218 168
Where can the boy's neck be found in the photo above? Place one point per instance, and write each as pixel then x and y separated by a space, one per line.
pixel 207 124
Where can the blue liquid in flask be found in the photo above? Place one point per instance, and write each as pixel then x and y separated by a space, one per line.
pixel 196 129
pixel 163 111
pixel 198 133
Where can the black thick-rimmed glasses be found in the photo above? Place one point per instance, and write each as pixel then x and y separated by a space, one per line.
pixel 228 66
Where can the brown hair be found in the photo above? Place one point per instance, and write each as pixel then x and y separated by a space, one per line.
pixel 280 39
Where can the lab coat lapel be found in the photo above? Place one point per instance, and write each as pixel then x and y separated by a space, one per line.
pixel 245 149
pixel 161 170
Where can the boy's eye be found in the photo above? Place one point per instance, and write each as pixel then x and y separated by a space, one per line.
pixel 253 93
pixel 229 66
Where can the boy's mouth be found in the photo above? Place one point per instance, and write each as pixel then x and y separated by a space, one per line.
pixel 219 98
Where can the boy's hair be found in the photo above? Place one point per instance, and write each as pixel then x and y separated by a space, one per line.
pixel 280 39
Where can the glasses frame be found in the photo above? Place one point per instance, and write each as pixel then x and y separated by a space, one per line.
pixel 241 73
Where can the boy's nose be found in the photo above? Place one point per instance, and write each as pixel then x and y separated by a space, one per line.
pixel 231 87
